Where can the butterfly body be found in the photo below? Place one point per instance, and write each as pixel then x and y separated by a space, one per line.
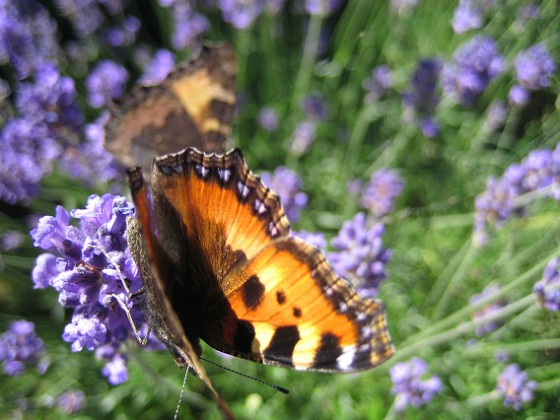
pixel 219 264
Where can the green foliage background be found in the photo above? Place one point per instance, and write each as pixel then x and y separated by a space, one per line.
pixel 435 268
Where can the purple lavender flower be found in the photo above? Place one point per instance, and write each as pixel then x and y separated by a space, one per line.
pixel 421 100
pixel 71 402
pixel 240 13
pixel 468 15
pixel 84 15
pixel 474 65
pixel 51 99
pixel 268 118
pixel 496 114
pixel 321 7
pixel 158 69
pixel 123 36
pixel 314 107
pixel 273 6
pixel 28 35
pixel 548 288
pixel 11 240
pixel 316 239
pixel 20 346
pixel 28 151
pixel 380 192
pixel 113 7
pixel 515 387
pixel 86 266
pixel 188 25
pixel 302 138
pixel 525 14
pixel 377 84
pixel 487 309
pixel 106 82
pixel 361 258
pixel 287 184
pixel 408 386
pixel 533 69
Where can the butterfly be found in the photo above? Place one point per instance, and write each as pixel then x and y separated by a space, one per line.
pixel 193 106
pixel 218 263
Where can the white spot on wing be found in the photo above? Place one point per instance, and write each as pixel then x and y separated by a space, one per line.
pixel 344 361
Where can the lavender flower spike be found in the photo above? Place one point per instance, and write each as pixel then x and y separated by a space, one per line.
pixel 548 288
pixel 408 386
pixel 515 387
pixel 19 346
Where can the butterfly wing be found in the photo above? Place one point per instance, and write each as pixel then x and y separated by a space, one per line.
pixel 160 314
pixel 279 301
pixel 192 107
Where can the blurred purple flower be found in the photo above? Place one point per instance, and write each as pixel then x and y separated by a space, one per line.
pixel 28 151
pixel 11 240
pixel 377 84
pixel 539 171
pixel 515 387
pixel 468 15
pixel 106 82
pixel 314 107
pixel 273 6
pixel 316 239
pixel 113 7
pixel 87 265
pixel 118 36
pixel 421 99
pixel 321 7
pixel 302 138
pixel 51 99
pixel 20 346
pixel 487 309
pixel 380 192
pixel 28 36
pixel 240 13
pixel 496 114
pixel 71 402
pixel 287 184
pixel 408 386
pixel 188 25
pixel 361 258
pixel 533 70
pixel 158 69
pixel 474 65
pixel 525 14
pixel 268 118
pixel 548 288
pixel 84 15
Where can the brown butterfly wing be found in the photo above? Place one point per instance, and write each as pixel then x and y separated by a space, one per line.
pixel 278 300
pixel 192 107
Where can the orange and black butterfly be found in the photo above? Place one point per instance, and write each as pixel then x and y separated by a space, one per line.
pixel 218 263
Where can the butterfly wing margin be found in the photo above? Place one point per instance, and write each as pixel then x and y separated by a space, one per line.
pixel 292 310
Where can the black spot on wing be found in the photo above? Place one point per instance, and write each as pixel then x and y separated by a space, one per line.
pixel 280 297
pixel 297 312
pixel 282 345
pixel 253 292
pixel 328 352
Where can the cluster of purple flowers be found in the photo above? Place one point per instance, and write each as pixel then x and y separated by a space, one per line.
pixel 360 256
pixel 71 402
pixel 515 387
pixel 107 81
pixel 189 25
pixel 409 387
pixel 155 72
pixel 268 118
pixel 20 346
pixel 487 309
pixel 474 65
pixel 380 192
pixel 533 70
pixel 315 111
pixel 420 101
pixel 548 288
pixel 287 184
pixel 87 266
pixel 539 172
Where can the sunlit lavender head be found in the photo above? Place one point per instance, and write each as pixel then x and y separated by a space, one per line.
pixel 515 387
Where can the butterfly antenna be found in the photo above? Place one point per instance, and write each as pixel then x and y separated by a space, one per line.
pixel 176 416
pixel 276 387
